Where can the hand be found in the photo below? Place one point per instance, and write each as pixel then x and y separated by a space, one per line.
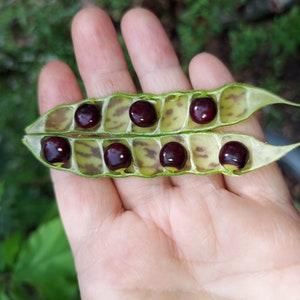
pixel 183 237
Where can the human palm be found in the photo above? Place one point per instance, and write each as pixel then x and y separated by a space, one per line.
pixel 181 237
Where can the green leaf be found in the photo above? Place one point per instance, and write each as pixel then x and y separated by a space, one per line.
pixel 10 249
pixel 45 262
pixel 3 296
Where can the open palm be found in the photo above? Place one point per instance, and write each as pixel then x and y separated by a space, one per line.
pixel 181 237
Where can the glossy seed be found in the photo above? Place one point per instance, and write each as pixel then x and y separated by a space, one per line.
pixel 117 156
pixel 173 156
pixel 56 149
pixel 87 115
pixel 203 110
pixel 142 113
pixel 234 155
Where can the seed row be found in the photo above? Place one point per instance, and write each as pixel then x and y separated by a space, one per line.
pixel 196 153
pixel 145 114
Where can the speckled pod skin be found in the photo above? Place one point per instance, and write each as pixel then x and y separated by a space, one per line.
pixel 235 103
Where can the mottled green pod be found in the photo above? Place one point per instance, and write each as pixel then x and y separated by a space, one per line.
pixel 203 154
pixel 234 102
pixel 87 141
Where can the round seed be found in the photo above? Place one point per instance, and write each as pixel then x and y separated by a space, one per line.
pixel 117 156
pixel 173 156
pixel 56 149
pixel 87 115
pixel 142 113
pixel 234 155
pixel 203 110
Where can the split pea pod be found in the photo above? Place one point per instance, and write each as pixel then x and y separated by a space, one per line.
pixel 150 135
pixel 192 153
pixel 169 113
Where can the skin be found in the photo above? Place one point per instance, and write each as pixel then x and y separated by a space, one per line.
pixel 183 237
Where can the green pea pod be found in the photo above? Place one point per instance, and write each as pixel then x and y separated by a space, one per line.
pixel 234 103
pixel 89 148
pixel 202 148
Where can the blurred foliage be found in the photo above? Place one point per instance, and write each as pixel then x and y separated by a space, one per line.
pixel 34 250
pixel 198 24
pixel 44 266
pixel 274 42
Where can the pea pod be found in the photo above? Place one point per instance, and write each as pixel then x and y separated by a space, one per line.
pixel 203 151
pixel 150 135
pixel 234 103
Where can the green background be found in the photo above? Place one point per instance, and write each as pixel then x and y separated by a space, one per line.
pixel 260 44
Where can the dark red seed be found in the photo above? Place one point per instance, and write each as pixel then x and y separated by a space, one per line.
pixel 87 115
pixel 56 149
pixel 234 155
pixel 203 110
pixel 173 155
pixel 117 156
pixel 142 113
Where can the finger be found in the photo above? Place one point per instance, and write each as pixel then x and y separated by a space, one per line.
pixel 80 204
pixel 205 74
pixel 84 203
pixel 104 71
pixel 158 71
pixel 265 183
pixel 103 68
pixel 54 78
pixel 135 26
pixel 99 55
pixel 151 53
